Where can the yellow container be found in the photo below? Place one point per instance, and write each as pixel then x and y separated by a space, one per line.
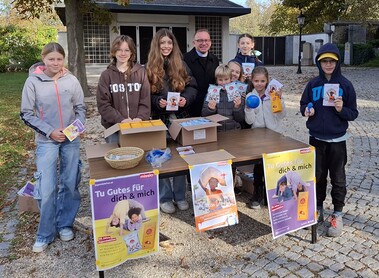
pixel 276 104
pixel 124 125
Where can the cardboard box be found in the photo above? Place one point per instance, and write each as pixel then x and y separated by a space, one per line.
pixel 196 134
pixel 246 175
pixel 146 135
pixel 207 157
pixel 27 203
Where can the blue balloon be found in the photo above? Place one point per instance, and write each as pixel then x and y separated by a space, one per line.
pixel 252 101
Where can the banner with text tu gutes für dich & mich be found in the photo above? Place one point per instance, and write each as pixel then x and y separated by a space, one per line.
pixel 125 218
pixel 290 189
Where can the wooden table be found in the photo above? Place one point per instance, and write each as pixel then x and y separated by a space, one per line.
pixel 246 145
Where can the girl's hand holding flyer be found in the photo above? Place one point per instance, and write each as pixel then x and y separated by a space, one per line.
pixel 274 92
pixel 74 130
pixel 173 101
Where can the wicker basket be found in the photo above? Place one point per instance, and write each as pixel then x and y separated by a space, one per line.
pixel 124 163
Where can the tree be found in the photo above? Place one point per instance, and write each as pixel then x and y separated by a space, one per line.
pixel 256 23
pixel 317 12
pixel 74 22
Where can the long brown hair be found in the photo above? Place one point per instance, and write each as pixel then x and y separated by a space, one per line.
pixel 176 71
pixel 132 47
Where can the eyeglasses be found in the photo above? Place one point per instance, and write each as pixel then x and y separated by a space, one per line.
pixel 203 41
pixel 328 61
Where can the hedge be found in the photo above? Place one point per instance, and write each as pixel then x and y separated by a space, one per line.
pixel 21 47
pixel 362 53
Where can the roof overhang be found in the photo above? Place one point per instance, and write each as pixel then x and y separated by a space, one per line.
pixel 150 8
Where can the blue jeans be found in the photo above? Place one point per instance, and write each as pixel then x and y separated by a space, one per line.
pixel 58 203
pixel 175 192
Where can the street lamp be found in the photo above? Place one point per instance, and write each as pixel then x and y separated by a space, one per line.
pixel 300 21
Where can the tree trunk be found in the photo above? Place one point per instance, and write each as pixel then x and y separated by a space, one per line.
pixel 76 57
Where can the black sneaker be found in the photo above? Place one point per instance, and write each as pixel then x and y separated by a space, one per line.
pixel 237 191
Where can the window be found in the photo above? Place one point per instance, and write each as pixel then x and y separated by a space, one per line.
pixel 214 26
pixel 96 41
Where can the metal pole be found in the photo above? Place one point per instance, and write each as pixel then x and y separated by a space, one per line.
pixel 299 62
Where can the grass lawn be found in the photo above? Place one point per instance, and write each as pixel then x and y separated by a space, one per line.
pixel 16 139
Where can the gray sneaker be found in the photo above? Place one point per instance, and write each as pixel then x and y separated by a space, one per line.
pixel 182 205
pixel 336 226
pixel 39 246
pixel 66 234
pixel 254 205
pixel 167 207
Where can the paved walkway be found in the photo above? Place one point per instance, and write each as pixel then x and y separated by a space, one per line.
pixel 245 250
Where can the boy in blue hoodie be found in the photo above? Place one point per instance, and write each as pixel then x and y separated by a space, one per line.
pixel 327 126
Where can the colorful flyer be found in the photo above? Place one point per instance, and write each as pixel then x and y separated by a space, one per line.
pixel 273 86
pixel 125 218
pixel 173 101
pixel 290 188
pixel 248 68
pixel 213 196
pixel 232 91
pixel 27 189
pixel 74 130
pixel 213 93
pixel 331 92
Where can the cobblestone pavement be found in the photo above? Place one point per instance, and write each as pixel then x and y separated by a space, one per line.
pixel 247 249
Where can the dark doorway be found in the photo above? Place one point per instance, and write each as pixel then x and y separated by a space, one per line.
pixel 272 48
pixel 145 35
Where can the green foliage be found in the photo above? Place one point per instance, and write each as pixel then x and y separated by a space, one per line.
pixel 372 63
pixel 362 53
pixel 15 137
pixel 374 43
pixel 4 61
pixel 317 12
pixel 21 47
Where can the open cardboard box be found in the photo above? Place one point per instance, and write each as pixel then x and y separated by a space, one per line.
pixel 246 175
pixel 196 134
pixel 146 135
pixel 27 203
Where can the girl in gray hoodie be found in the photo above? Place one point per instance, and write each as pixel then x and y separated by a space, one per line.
pixel 52 99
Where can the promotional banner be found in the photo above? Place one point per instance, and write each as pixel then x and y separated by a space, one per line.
pixel 213 196
pixel 125 218
pixel 290 189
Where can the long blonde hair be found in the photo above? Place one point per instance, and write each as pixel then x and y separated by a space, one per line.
pixel 175 69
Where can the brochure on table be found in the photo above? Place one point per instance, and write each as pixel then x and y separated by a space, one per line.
pixel 213 196
pixel 290 188
pixel 118 236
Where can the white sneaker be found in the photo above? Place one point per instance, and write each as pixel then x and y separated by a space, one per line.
pixel 66 234
pixel 39 246
pixel 182 205
pixel 167 207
